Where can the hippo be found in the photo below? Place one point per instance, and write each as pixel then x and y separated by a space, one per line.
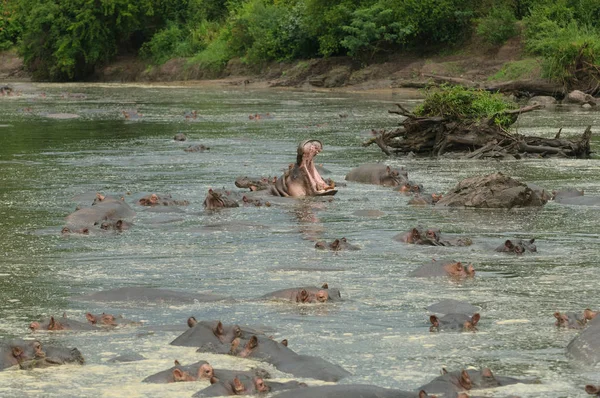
pixel 29 354
pixel 451 306
pixel 212 333
pixel 106 213
pixel 254 184
pixel 218 200
pixel 108 320
pixel 245 385
pixel 424 199
pixel 350 391
pixel 592 390
pixel 336 245
pixel 149 295
pixel 132 114
pixel 62 323
pixel 132 357
pixel 302 178
pixel 190 115
pixel 161 200
pixel 430 237
pixel 258 202
pixel 585 347
pixel 306 295
pixel 378 174
pixel 200 370
pixel 454 269
pixel 197 148
pixel 573 320
pixel 449 383
pixel 575 197
pixel 286 360
pixel 260 116
pixel 459 322
pixel 179 137
pixel 409 188
pixel 517 246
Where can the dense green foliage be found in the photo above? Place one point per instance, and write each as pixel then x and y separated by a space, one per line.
pixel 465 105
pixel 68 39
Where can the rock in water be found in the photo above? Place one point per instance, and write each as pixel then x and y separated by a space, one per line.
pixel 491 191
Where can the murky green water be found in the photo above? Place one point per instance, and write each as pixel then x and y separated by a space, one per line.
pixel 380 332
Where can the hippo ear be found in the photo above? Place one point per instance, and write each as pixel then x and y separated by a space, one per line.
pixel 177 363
pixel 557 315
pixel 325 286
pixel 508 244
pixel 465 380
pixel 532 240
pixel 238 386
pixel 335 244
pixel 252 343
pixel 284 342
pixel 423 394
pixel 52 325
pixel 237 331
pixel 17 352
pixel 475 319
pixel 444 371
pixel 64 315
pixel 178 374
pixel 192 321
pixel 589 314
pixel 91 318
pixel 487 372
pixel 213 380
pixel 434 320
pixel 218 329
pixel 590 389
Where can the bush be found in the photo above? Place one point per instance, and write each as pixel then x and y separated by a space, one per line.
pixel 464 105
pixel 498 26
pixel 10 26
pixel 519 70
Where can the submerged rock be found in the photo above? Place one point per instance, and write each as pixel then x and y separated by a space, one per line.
pixel 491 191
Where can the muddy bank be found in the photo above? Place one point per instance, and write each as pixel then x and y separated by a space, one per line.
pixel 474 62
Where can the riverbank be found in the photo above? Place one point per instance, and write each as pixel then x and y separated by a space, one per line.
pixel 474 62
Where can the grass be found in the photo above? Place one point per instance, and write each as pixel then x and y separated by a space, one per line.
pixel 529 68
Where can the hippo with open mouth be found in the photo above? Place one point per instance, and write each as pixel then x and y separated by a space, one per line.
pixel 302 178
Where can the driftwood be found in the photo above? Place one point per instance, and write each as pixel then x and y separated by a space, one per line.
pixel 437 135
pixel 519 88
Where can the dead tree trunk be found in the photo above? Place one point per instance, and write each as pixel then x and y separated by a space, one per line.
pixel 434 136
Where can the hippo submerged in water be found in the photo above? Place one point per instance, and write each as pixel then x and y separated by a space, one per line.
pixel 454 269
pixel 302 178
pixel 430 237
pixel 378 174
pixel 243 384
pixel 200 370
pixel 30 354
pixel 459 322
pixel 161 200
pixel 106 213
pixel 574 320
pixel 350 391
pixel 286 360
pixel 517 246
pixel 305 295
pixel 450 383
pixel 336 245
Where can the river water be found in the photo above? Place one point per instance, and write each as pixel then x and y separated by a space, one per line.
pixel 380 332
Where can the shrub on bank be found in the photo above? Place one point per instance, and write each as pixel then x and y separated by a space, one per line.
pixel 464 105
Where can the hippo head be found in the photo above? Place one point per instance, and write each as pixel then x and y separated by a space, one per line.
pixel 101 319
pixel 314 183
pixel 471 325
pixel 226 334
pixel 21 350
pixel 216 200
pixel 150 200
pixel 592 390
pixel 391 178
pixel 458 270
pixel 250 345
pixel 205 372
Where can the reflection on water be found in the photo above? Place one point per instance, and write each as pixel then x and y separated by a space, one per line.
pixel 380 332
